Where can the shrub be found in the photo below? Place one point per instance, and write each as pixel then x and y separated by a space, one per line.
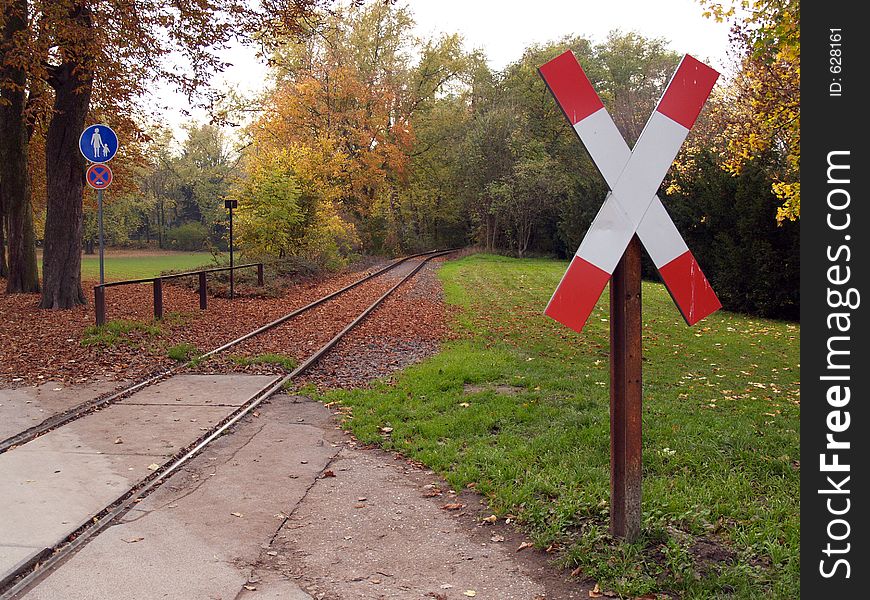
pixel 189 236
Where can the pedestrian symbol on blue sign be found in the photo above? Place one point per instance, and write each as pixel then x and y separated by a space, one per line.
pixel 98 143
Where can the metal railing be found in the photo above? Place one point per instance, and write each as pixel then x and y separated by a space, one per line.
pixel 157 282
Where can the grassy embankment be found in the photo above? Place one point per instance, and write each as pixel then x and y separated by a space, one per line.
pixel 519 407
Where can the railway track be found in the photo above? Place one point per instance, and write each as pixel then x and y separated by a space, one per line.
pixel 76 412
pixel 27 574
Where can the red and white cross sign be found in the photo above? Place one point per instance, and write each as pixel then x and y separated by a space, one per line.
pixel 634 177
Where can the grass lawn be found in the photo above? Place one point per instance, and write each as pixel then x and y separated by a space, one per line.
pixel 132 264
pixel 519 407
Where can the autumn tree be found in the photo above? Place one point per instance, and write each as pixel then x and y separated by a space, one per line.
pixel 766 91
pixel 350 92
pixel 15 132
pixel 111 52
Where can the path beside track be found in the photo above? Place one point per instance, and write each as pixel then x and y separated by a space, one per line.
pixel 55 483
pixel 290 507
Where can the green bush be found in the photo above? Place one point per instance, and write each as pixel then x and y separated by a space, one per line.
pixel 190 236
pixel 729 222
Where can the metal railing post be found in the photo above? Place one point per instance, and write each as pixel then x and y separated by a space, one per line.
pixel 100 304
pixel 203 296
pixel 260 274
pixel 158 298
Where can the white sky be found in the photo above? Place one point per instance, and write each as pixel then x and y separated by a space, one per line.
pixel 503 29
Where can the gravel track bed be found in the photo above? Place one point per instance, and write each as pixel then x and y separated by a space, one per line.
pixel 408 327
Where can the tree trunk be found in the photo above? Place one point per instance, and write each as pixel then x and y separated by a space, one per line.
pixel 65 179
pixel 14 142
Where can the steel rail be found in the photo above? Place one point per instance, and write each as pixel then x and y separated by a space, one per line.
pixel 30 574
pixel 175 275
pixel 78 411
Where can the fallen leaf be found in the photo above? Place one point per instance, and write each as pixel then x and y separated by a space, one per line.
pixel 153 466
pixel 272 553
pixel 525 545
pixel 119 440
pixel 452 506
pixel 132 540
pixel 497 538
pixel 236 514
pixel 250 588
pixel 576 572
pixel 386 429
pixel 469 593
pixel 490 519
pixel 329 473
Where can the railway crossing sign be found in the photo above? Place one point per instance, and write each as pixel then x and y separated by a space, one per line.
pixel 633 176
pixel 99 176
pixel 631 215
pixel 98 143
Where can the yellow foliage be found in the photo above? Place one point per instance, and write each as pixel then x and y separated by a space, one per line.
pixel 765 96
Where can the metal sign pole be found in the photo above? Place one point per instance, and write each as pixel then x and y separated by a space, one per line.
pixel 100 227
pixel 232 272
pixel 626 395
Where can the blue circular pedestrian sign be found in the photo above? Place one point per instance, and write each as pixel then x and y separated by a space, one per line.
pixel 98 143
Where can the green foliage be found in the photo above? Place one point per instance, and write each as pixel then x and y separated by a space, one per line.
pixel 188 237
pixel 519 406
pixel 269 213
pixel 729 222
pixel 121 218
pixel 187 183
pixel 288 363
pixel 183 352
pixel 118 331
pixel 525 179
